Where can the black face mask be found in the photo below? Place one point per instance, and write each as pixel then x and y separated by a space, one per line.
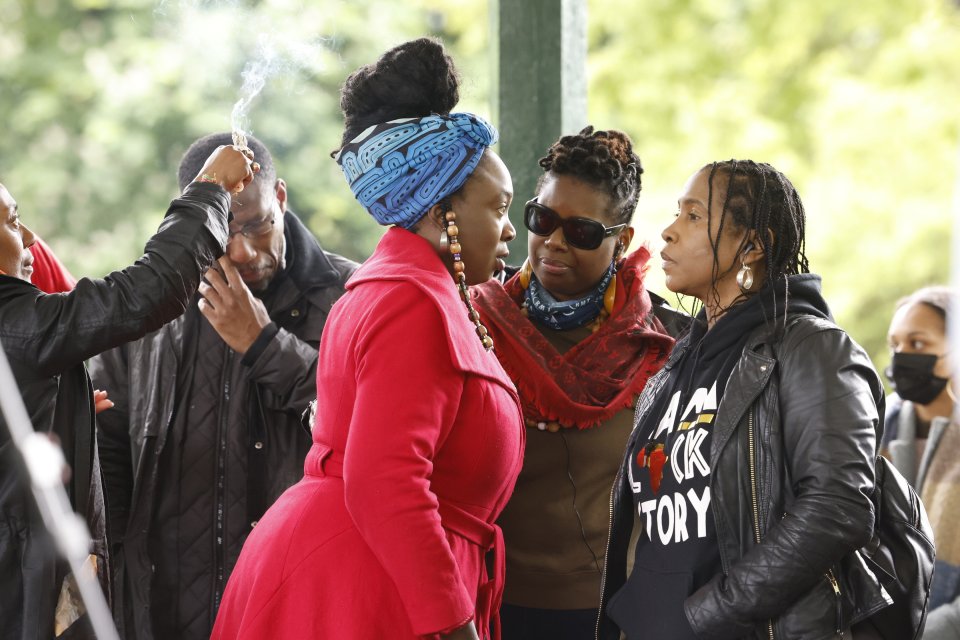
pixel 913 379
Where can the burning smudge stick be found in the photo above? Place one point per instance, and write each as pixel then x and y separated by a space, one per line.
pixel 239 138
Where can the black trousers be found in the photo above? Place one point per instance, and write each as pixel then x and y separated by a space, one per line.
pixel 526 623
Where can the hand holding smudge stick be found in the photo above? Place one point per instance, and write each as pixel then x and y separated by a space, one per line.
pixel 231 167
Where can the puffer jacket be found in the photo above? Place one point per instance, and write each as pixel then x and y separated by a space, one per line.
pixel 260 444
pixel 47 338
pixel 792 474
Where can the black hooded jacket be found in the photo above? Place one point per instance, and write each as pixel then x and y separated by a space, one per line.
pixel 791 475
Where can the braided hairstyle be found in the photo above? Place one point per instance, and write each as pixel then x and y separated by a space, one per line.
pixel 412 80
pixel 602 159
pixel 757 197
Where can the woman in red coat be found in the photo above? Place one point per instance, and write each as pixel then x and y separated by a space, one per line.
pixel 418 435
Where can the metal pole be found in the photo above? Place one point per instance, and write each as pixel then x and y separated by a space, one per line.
pixel 541 66
pixel 45 464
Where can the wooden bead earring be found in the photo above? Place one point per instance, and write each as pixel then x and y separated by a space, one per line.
pixel 453 233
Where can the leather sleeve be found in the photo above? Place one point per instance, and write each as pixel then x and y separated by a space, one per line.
pixel 108 371
pixel 58 331
pixel 828 396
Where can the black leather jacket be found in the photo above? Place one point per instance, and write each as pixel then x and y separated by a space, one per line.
pixel 47 338
pixel 263 448
pixel 801 415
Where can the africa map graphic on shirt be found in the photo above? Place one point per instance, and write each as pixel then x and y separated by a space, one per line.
pixel 670 476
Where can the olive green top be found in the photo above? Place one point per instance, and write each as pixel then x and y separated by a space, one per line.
pixel 553 563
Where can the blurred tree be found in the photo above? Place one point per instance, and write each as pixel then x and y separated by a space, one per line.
pixel 101 98
pixel 851 100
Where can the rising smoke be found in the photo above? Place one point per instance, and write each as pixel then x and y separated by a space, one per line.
pixel 274 41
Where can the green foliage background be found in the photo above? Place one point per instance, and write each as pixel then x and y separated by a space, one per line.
pixel 856 102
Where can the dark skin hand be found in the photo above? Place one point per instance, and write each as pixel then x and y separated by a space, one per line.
pixel 230 167
pixel 233 311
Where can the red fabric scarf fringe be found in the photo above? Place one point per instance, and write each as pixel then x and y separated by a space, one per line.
pixel 598 377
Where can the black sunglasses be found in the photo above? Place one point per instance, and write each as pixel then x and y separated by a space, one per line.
pixel 581 233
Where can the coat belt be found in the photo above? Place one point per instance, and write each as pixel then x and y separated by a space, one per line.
pixel 323 461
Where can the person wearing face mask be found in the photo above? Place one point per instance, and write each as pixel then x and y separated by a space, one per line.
pixel 579 335
pixel 922 438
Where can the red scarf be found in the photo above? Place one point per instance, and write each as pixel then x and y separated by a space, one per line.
pixel 601 375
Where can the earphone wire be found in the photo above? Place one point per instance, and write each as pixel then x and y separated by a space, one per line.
pixel 583 532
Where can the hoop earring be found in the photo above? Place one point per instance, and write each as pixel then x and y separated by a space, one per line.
pixel 461 277
pixel 444 239
pixel 745 277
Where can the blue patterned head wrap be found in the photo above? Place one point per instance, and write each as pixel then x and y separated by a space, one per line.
pixel 399 169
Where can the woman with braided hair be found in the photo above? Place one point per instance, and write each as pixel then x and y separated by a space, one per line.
pixel 579 335
pixel 750 469
pixel 418 437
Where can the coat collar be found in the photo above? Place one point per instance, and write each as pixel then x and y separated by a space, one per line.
pixel 11 287
pixel 403 256
pixel 307 264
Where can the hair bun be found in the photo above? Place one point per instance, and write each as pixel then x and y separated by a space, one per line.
pixel 411 80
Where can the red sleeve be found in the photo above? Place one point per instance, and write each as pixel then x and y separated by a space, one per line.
pixel 408 394
pixel 49 274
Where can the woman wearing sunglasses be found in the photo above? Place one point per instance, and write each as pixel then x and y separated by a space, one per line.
pixel 577 333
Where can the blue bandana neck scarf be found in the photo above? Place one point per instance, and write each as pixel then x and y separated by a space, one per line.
pixel 399 169
pixel 567 314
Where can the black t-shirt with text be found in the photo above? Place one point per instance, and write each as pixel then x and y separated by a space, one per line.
pixel 677 551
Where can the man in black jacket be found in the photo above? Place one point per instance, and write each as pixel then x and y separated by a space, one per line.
pixel 206 433
pixel 47 338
